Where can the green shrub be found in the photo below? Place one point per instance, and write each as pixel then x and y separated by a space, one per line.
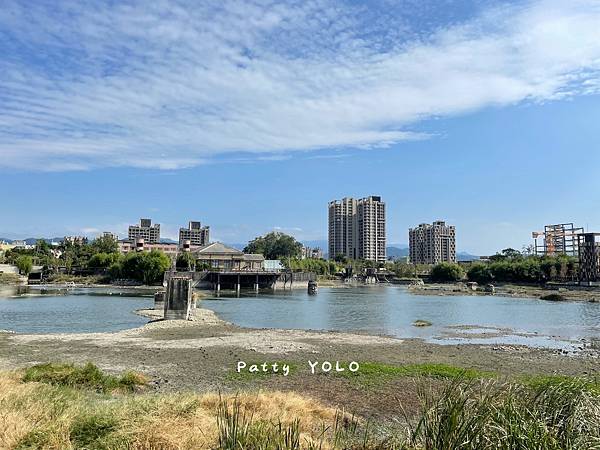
pixel 553 297
pixel 445 272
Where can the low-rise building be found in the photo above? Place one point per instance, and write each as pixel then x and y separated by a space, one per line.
pixel 140 245
pixel 22 245
pixel 222 257
pixel 109 235
pixel 311 253
pixel 75 240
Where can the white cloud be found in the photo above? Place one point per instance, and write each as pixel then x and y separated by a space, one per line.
pixel 167 85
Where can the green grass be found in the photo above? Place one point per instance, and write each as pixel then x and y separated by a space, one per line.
pixel 86 377
pixel 540 382
pixel 375 371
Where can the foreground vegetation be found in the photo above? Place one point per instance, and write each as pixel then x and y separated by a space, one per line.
pixel 64 407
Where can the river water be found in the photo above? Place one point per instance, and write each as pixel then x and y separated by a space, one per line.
pixel 392 310
pixel 381 309
pixel 51 310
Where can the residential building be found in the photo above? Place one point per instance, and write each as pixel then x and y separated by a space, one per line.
pixel 311 253
pixel 589 257
pixel 75 240
pixel 146 231
pixel 221 257
pixel 357 228
pixel 195 233
pixel 140 245
pixel 110 235
pixel 432 244
pixel 22 245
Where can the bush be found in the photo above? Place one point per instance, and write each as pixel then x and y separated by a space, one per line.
pixel 103 260
pixel 445 272
pixel 480 273
pixel 147 267
pixel 553 297
pixel 24 264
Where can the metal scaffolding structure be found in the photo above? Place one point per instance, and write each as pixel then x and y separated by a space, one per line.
pixel 557 239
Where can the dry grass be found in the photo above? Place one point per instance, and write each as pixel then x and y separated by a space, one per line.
pixel 546 413
pixel 38 415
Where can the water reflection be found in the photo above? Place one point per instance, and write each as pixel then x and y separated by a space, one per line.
pixel 49 310
pixel 392 310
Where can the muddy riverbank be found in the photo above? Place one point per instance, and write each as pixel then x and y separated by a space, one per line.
pixel 571 293
pixel 202 355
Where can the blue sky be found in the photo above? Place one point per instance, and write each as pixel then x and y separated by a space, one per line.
pixel 251 116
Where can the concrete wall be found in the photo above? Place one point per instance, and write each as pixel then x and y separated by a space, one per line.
pixel 8 268
pixel 178 298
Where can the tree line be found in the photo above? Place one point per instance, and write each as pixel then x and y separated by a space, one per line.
pixel 101 256
pixel 510 266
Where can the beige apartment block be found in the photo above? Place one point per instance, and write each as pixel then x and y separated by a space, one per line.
pixel 432 243
pixel 357 228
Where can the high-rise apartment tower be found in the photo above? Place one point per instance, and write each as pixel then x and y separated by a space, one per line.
pixel 432 244
pixel 357 228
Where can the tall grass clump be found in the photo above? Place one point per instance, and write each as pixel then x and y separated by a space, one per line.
pixel 492 416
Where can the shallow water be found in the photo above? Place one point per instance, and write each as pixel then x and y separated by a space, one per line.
pixel 392 310
pixel 34 310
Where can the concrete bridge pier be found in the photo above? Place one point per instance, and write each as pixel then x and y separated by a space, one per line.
pixel 178 298
pixel 256 285
pixel 159 300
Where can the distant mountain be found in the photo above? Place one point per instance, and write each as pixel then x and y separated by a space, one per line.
pixel 396 252
pixel 32 241
pixel 236 246
pixel 464 256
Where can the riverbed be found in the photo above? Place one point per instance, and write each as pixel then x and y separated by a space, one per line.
pixel 393 310
pixel 374 310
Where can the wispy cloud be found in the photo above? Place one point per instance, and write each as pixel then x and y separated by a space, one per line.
pixel 171 84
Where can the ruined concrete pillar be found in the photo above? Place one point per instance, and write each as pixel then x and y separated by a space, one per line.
pixel 159 300
pixel 178 298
